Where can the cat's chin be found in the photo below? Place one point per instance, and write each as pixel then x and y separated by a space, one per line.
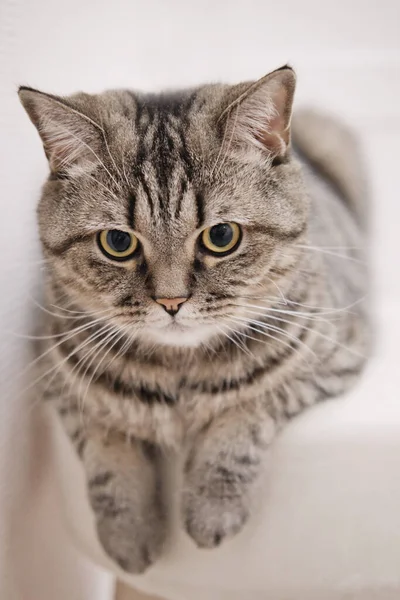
pixel 183 337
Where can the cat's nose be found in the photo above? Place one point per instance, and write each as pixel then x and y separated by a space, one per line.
pixel 171 305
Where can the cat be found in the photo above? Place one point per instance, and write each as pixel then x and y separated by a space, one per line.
pixel 204 284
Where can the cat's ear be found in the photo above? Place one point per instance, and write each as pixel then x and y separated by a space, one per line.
pixel 260 114
pixel 71 139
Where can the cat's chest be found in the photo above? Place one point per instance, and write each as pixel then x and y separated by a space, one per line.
pixel 165 406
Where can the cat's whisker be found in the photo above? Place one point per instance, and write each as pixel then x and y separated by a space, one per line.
pixel 234 342
pixel 76 349
pixel 33 405
pixel 273 309
pixel 278 330
pixel 300 314
pixel 338 310
pixel 75 330
pixel 62 334
pixel 68 335
pixel 239 344
pixel 329 247
pixel 126 331
pixel 80 314
pixel 208 347
pixel 315 331
pixel 53 368
pixel 330 253
pixel 267 314
pixel 247 324
pixel 286 321
pixel 282 295
pixel 116 333
pixel 247 336
pixel 324 310
pixel 113 337
pixel 83 360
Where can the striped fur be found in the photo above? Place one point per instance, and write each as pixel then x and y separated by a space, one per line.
pixel 267 331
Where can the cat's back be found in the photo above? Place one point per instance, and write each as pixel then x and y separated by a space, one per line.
pixel 335 177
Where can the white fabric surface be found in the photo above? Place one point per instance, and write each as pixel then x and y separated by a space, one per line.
pixel 329 525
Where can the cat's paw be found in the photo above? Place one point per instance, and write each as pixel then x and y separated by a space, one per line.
pixel 210 518
pixel 133 539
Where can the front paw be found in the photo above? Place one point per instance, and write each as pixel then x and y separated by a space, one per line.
pixel 210 516
pixel 132 538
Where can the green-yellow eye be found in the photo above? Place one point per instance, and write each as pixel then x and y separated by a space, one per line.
pixel 116 244
pixel 222 238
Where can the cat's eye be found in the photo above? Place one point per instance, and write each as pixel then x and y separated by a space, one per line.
pixel 117 245
pixel 222 238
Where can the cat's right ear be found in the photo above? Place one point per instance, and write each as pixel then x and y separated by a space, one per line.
pixel 71 139
pixel 258 114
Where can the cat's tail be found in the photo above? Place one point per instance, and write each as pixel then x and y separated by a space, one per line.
pixel 330 146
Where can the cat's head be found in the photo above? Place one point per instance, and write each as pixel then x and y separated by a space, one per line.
pixel 171 213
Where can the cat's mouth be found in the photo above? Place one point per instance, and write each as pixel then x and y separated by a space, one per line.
pixel 178 334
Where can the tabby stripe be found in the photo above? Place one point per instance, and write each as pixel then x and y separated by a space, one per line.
pixel 206 387
pixel 146 190
pixel 70 409
pixel 128 300
pixel 162 162
pixel 139 111
pixel 142 393
pixel 181 194
pixel 115 385
pixel 78 438
pixel 200 208
pixel 247 460
pixel 131 211
pixel 105 504
pixel 230 476
pixel 279 233
pixel 185 156
pixel 66 244
pixel 142 268
pixel 101 479
pixel 81 447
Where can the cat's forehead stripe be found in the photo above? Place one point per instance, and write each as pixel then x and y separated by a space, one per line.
pixel 160 127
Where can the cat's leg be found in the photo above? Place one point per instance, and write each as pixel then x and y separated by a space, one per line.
pixel 124 491
pixel 222 472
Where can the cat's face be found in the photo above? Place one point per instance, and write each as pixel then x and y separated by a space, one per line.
pixel 171 214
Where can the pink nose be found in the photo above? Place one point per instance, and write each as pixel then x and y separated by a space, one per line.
pixel 171 305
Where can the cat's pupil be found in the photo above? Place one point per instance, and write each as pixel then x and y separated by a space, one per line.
pixel 221 235
pixel 118 240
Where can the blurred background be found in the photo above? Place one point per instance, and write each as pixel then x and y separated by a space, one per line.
pixel 347 57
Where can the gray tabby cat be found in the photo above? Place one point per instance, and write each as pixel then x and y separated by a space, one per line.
pixel 203 287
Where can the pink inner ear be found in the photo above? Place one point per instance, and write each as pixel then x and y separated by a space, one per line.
pixel 275 135
pixel 66 142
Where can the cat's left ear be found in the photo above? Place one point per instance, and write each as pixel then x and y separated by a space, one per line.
pixel 71 138
pixel 260 115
